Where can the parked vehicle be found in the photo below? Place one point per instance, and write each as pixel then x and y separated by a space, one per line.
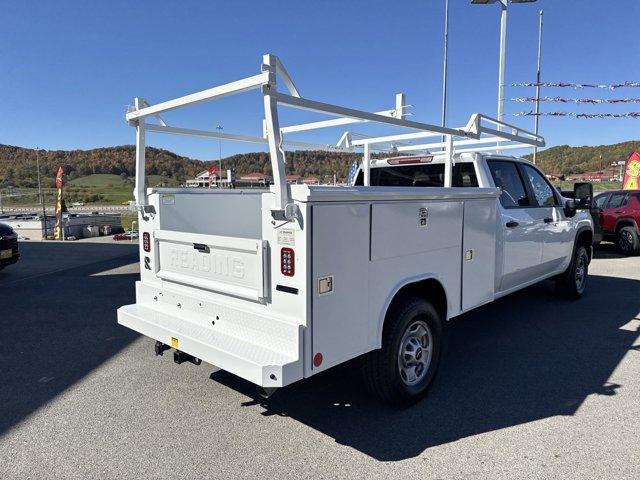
pixel 128 235
pixel 9 252
pixel 278 285
pixel 618 214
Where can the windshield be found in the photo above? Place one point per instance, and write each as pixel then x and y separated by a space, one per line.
pixel 420 175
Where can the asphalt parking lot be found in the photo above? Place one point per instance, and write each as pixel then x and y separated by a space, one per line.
pixel 532 386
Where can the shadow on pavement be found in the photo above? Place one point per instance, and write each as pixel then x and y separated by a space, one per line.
pixel 526 357
pixel 607 250
pixel 58 320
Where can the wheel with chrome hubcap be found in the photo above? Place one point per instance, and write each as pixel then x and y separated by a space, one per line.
pixel 401 372
pixel 414 355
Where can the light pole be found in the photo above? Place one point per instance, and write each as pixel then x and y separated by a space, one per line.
pixel 220 128
pixel 537 116
pixel 41 196
pixel 38 167
pixel 503 46
pixel 446 60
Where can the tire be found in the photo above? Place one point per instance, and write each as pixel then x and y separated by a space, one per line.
pixel 573 281
pixel 400 373
pixel 627 241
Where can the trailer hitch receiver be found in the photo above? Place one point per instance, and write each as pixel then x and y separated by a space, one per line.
pixel 181 357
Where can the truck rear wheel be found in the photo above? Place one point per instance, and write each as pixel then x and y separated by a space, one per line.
pixel 573 281
pixel 401 372
pixel 628 242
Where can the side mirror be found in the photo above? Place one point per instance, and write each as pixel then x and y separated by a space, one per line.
pixel 569 208
pixel 583 195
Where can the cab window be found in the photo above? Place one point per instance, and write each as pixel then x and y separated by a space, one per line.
pixel 541 188
pixel 421 175
pixel 507 178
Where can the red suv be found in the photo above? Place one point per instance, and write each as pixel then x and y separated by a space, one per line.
pixel 618 213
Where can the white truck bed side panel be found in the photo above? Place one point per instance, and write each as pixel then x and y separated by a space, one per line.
pixel 340 250
pixel 479 252
pixel 407 228
pixel 404 251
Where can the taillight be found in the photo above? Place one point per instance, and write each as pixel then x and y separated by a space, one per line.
pixel 287 261
pixel 146 242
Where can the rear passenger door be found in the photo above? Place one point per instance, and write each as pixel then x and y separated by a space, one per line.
pixel 557 229
pixel 521 228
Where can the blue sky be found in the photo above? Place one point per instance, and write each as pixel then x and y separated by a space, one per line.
pixel 68 69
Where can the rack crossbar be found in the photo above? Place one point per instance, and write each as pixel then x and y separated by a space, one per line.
pixel 329 109
pixel 239 86
pixel 241 138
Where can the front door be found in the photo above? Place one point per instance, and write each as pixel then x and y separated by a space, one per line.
pixel 521 227
pixel 558 232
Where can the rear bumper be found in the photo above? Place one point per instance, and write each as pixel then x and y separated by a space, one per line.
pixel 265 352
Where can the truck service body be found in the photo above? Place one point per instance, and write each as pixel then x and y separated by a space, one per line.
pixel 277 285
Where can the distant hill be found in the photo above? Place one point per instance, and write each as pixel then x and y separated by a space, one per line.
pixel 17 164
pixel 567 160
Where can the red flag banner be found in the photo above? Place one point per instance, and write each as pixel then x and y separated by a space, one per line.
pixel 59 175
pixel 57 233
pixel 631 172
pixel 212 173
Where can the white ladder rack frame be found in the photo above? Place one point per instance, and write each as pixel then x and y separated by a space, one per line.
pixel 273 136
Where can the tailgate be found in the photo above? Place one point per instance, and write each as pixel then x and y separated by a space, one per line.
pixel 230 265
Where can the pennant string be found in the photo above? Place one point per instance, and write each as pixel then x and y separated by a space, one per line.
pixel 610 86
pixel 592 101
pixel 531 113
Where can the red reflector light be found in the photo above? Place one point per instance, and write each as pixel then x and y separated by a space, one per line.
pixel 317 359
pixel 287 261
pixel 146 242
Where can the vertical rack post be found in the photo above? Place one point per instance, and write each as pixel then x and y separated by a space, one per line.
pixel 448 161
pixel 274 135
pixel 139 192
pixel 366 165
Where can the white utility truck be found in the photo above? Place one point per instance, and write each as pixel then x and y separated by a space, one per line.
pixel 277 285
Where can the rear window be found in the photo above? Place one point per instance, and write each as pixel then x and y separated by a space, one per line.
pixel 421 175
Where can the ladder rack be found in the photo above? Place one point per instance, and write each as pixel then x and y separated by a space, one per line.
pixel 479 131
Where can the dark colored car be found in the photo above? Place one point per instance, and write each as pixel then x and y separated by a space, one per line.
pixel 8 246
pixel 618 213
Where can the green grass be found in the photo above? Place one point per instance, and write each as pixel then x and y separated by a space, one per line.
pixel 110 180
pixel 597 186
pixel 98 180
pixel 103 189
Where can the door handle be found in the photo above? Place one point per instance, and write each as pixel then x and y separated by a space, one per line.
pixel 548 220
pixel 512 224
pixel 618 211
pixel 202 248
